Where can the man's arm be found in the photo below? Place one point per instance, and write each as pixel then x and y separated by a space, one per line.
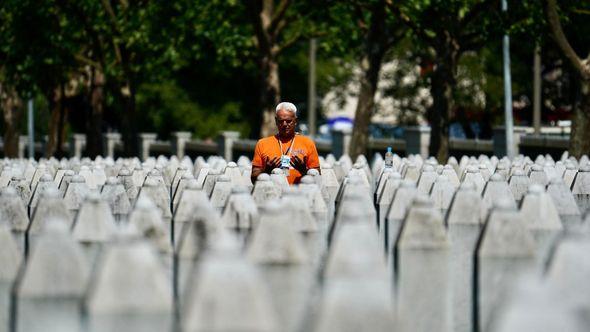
pixel 268 167
pixel 255 172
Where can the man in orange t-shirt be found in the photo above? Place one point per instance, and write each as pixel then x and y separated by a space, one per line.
pixel 286 150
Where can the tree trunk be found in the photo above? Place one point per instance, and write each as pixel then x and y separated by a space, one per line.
pixel 270 94
pixel 94 119
pixel 57 108
pixel 12 112
pixel 371 66
pixel 580 135
pixel 442 87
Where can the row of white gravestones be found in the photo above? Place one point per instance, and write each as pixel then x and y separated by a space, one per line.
pixel 280 247
pixel 103 320
pixel 540 213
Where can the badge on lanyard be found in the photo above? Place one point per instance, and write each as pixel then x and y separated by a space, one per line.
pixel 285 157
pixel 285 161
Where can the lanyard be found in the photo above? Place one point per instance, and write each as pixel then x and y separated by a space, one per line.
pixel 290 146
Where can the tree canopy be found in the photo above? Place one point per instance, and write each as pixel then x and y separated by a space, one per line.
pixel 203 66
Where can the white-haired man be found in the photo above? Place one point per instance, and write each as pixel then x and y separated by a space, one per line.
pixel 287 149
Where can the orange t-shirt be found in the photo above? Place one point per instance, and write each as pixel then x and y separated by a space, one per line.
pixel 268 148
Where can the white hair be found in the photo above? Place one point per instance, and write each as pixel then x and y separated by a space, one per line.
pixel 287 107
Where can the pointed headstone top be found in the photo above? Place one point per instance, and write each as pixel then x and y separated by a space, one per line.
pixel 263 177
pixel 313 172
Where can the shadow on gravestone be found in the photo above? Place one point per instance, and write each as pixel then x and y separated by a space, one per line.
pixel 569 174
pixel 538 175
pixel 130 291
pixel 178 174
pixel 472 174
pixel 484 171
pixel 44 182
pixel 559 169
pixel 385 197
pixel 541 217
pixel 400 203
pixel 411 172
pixel 318 205
pixel 581 188
pixel 201 173
pixel 210 180
pixel 99 174
pixel 6 174
pixel 519 184
pixel 497 189
pixel 450 173
pixel 422 270
pixel 504 170
pixel 568 210
pixel 441 194
pixel 138 174
pixel 40 171
pixel 426 179
pixel 382 179
pixel 330 180
pixel 50 288
pixel 65 181
pixel 128 183
pixel 181 185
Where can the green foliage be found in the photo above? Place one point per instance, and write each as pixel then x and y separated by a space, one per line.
pixel 166 108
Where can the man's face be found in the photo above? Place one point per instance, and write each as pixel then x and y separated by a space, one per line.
pixel 286 122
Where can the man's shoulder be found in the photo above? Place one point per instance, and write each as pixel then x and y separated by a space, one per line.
pixel 266 140
pixel 305 139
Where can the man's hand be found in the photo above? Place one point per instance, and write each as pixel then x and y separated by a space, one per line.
pixel 300 164
pixel 272 164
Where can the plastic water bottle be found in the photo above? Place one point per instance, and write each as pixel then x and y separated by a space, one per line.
pixel 389 157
